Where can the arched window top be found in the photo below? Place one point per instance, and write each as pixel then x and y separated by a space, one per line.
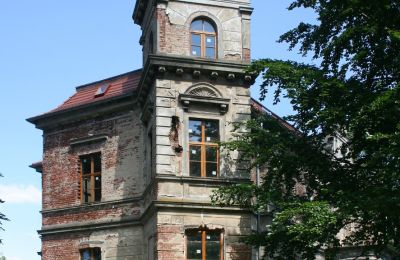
pixel 202 25
pixel 203 38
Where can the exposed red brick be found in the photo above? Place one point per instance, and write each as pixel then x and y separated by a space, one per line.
pixel 246 54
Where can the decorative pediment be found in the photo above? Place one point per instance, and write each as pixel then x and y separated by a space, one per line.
pixel 202 92
pixel 206 94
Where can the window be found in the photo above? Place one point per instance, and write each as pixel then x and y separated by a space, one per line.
pixel 204 245
pixel 90 177
pixel 203 148
pixel 91 254
pixel 101 90
pixel 203 39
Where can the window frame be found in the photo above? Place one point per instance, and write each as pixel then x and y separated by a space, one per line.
pixel 91 196
pixel 92 251
pixel 203 144
pixel 204 232
pixel 203 36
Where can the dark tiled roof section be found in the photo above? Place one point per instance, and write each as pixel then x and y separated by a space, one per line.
pixel 260 107
pixel 117 86
pixel 38 166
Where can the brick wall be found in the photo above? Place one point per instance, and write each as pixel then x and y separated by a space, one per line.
pixel 171 233
pixel 174 30
pixel 121 159
pixel 64 247
pixel 115 244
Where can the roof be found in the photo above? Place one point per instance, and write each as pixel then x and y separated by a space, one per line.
pixel 260 107
pixel 38 166
pixel 116 86
pixel 94 94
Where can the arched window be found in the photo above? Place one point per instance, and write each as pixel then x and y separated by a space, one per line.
pixel 203 39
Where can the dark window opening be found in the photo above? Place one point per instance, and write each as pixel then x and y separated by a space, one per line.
pixel 91 254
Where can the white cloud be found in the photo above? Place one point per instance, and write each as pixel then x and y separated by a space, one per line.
pixel 20 194
pixel 13 258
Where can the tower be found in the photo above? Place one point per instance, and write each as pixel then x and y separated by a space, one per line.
pixel 193 88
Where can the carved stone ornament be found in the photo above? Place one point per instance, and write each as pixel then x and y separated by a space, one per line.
pixel 204 94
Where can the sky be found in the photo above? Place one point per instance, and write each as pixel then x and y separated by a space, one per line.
pixel 47 48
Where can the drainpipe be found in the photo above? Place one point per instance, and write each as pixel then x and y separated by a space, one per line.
pixel 258 213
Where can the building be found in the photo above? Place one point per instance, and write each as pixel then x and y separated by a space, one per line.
pixel 129 162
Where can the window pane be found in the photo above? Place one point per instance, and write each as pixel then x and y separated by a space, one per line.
pixel 195 153
pixel 97 162
pixel 210 41
pixel 85 255
pixel 196 51
pixel 195 131
pixel 212 131
pixel 97 254
pixel 97 182
pixel 197 25
pixel 208 27
pixel 195 169
pixel 196 40
pixel 194 246
pixel 211 153
pixel 211 170
pixel 86 165
pixel 213 246
pixel 210 53
pixel 97 188
pixel 97 195
pixel 86 188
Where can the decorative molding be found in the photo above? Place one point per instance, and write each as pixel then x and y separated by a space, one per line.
pixel 196 73
pixel 186 100
pixel 200 69
pixel 88 139
pixel 179 71
pixel 214 75
pixel 202 92
pixel 231 76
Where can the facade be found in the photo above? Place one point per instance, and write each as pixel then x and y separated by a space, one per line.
pixel 129 162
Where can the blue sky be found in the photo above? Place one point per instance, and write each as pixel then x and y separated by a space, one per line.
pixel 47 48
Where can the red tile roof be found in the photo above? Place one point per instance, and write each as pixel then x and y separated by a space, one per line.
pixel 117 86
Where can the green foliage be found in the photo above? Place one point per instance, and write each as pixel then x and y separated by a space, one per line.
pixel 304 226
pixel 2 216
pixel 353 95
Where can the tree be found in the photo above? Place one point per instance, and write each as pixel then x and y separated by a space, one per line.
pixel 2 216
pixel 354 95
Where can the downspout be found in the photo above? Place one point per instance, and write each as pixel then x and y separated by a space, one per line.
pixel 258 220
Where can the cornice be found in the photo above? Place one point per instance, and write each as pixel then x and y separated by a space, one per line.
pixel 160 66
pixel 85 111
